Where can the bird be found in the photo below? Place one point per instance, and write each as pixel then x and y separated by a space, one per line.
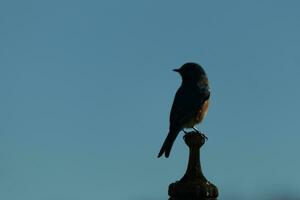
pixel 190 104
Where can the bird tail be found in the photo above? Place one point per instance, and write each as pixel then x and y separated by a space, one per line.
pixel 168 143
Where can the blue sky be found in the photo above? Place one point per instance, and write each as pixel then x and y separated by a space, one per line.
pixel 86 89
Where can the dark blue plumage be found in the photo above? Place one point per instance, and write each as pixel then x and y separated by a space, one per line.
pixel 190 103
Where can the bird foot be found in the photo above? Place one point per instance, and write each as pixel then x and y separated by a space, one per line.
pixel 202 134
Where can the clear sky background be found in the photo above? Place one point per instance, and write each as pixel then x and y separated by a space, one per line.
pixel 86 88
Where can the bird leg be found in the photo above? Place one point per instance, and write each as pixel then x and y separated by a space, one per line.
pixel 203 135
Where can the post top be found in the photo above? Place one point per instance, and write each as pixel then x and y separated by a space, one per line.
pixel 194 139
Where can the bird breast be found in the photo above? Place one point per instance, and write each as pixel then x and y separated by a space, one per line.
pixel 202 112
pixel 199 116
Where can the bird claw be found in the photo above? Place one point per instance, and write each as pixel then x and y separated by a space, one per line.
pixel 206 138
pixel 203 135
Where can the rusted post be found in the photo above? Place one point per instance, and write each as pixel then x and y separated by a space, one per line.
pixel 193 185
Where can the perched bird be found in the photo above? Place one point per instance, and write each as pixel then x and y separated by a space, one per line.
pixel 190 103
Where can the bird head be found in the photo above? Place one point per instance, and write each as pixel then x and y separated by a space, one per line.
pixel 191 72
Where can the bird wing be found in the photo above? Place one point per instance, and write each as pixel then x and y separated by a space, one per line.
pixel 187 102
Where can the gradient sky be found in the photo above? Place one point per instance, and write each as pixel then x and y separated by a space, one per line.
pixel 86 88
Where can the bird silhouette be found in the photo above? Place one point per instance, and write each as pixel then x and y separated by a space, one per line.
pixel 190 103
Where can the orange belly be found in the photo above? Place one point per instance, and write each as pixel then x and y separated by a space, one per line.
pixel 202 112
pixel 199 117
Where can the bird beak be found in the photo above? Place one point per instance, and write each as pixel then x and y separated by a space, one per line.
pixel 176 70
